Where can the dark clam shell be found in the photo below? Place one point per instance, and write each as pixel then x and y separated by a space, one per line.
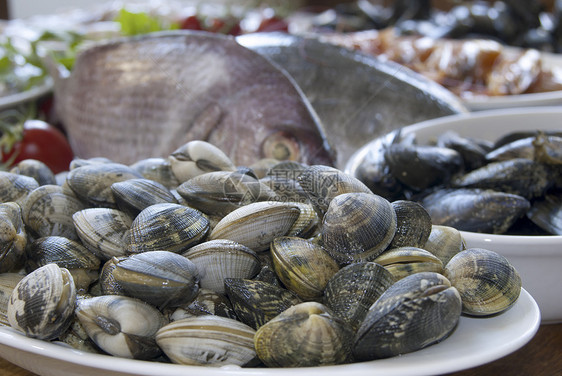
pixel 134 195
pixel 14 187
pixel 66 253
pixel 207 302
pixel 167 227
pixel 13 237
pixel 92 182
pixel 305 335
pixel 48 210
pixel 413 224
pixel 487 282
pixel 221 192
pixel 358 227
pixel 160 278
pixel 35 169
pixel 352 290
pixel 415 312
pixel 257 302
pixel 444 242
pixel 303 266
pixel 323 183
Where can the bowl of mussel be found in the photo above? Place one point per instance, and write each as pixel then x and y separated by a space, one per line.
pixel 493 175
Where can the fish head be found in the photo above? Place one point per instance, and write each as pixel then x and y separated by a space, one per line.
pixel 293 143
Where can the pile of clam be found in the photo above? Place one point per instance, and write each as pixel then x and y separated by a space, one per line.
pixel 512 185
pixel 195 261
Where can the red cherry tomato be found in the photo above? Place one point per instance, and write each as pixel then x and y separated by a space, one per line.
pixel 273 24
pixel 43 142
pixel 191 23
pixel 229 26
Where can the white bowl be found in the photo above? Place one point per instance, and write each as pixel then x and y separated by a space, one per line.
pixel 538 259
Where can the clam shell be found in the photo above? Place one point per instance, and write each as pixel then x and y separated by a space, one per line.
pixel 262 166
pixel 207 302
pixel 256 225
pixel 13 237
pixel 66 253
pixel 413 224
pixel 221 192
pixel 257 302
pixel 282 179
pixel 35 169
pixel 487 282
pixel 42 303
pixel 304 335
pixel 323 183
pixel 358 227
pixel 157 169
pixel 220 259
pixel 307 223
pixel 79 162
pixel 403 261
pixel 104 231
pixel 161 278
pixel 48 211
pixel 196 158
pixel 121 326
pixel 207 340
pixel 14 187
pixel 92 182
pixel 444 242
pixel 107 283
pixel 134 195
pixel 8 282
pixel 354 288
pixel 413 313
pixel 303 266
pixel 167 227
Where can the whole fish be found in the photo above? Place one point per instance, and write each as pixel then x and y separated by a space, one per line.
pixel 357 96
pixel 140 97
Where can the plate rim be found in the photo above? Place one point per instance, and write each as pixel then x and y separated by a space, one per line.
pixel 15 340
pixel 13 100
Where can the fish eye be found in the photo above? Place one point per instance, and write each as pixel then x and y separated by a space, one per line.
pixel 281 146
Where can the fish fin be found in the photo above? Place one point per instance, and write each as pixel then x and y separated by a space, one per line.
pixel 206 122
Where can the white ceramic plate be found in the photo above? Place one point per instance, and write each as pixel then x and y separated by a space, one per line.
pixel 13 100
pixel 550 60
pixel 474 342
pixel 538 259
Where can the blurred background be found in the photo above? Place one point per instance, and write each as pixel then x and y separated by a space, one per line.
pixel 27 8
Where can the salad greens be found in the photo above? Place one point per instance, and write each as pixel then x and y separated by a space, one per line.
pixel 136 23
pixel 22 68
pixel 18 71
